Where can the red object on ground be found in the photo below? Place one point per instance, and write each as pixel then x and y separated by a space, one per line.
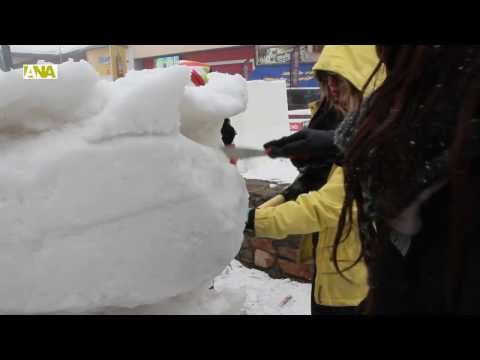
pixel 286 300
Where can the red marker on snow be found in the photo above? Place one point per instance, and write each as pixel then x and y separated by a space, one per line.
pixel 286 300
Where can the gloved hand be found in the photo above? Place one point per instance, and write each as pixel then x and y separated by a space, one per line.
pixel 294 189
pixel 250 224
pixel 307 143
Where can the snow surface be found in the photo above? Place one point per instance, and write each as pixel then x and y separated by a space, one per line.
pixel 277 170
pixel 264 295
pixel 265 119
pixel 103 202
pixel 33 106
pixel 237 291
pixel 204 108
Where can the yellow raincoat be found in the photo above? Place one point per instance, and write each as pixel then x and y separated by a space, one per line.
pixel 318 211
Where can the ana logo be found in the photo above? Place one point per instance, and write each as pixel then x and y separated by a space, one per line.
pixel 40 71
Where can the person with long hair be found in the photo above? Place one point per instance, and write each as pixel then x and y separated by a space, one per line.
pixel 412 168
pixel 411 165
pixel 342 71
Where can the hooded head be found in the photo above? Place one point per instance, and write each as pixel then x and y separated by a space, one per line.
pixel 355 63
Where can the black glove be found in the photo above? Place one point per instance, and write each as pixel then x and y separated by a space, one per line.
pixel 294 189
pixel 314 162
pixel 250 224
pixel 308 143
pixel 228 132
pixel 310 179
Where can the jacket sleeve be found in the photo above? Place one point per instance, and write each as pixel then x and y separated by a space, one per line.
pixel 312 212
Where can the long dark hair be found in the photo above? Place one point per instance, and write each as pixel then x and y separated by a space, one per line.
pixel 423 109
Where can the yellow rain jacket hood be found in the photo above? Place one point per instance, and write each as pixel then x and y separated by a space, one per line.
pixel 356 63
pixel 318 211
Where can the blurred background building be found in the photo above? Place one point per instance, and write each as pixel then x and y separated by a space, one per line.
pixel 291 63
pixel 110 61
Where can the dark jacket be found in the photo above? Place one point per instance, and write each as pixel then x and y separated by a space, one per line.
pixel 420 282
pixel 423 281
pixel 313 174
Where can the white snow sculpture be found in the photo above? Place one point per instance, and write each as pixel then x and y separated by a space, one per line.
pixel 103 203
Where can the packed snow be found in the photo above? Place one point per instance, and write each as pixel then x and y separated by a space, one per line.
pixel 202 107
pixel 264 295
pixel 237 291
pixel 29 106
pixel 104 202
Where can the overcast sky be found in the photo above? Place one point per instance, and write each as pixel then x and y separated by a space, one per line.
pixel 45 49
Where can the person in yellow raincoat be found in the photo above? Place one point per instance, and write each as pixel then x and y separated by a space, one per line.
pixel 311 205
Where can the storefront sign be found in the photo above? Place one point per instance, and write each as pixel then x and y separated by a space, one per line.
pixel 166 61
pixel 281 55
pixel 104 60
pixel 282 72
pixel 294 66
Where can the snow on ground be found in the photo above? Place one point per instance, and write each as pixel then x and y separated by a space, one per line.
pixel 276 170
pixel 238 290
pixel 200 301
pixel 264 295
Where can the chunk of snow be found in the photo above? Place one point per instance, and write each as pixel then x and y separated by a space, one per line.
pixel 265 119
pixel 37 105
pixel 103 202
pixel 204 108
